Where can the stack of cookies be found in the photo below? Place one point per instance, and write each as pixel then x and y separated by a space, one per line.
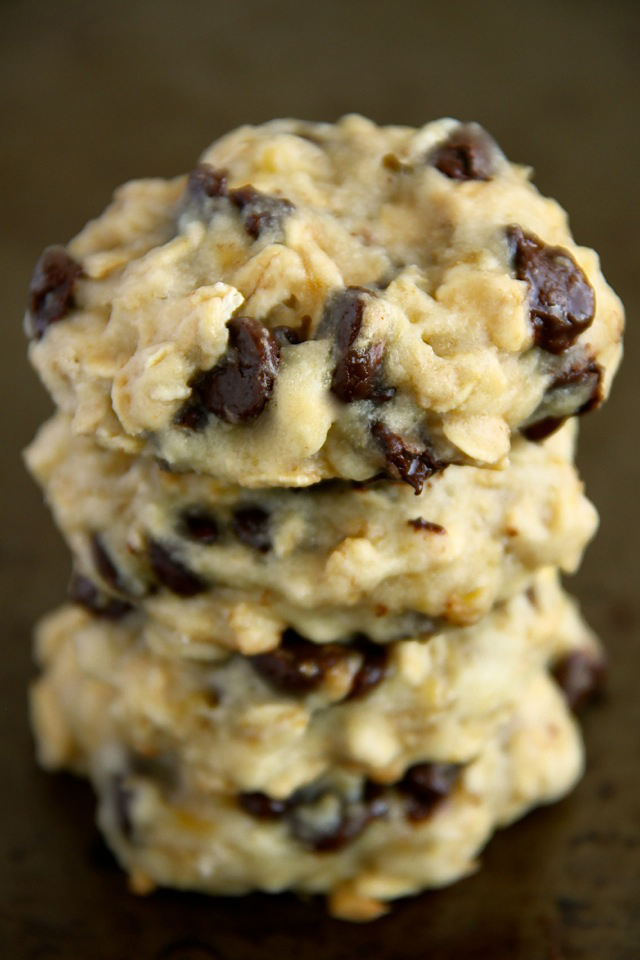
pixel 313 456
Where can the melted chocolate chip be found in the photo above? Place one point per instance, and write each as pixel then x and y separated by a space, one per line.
pixel 205 182
pixel 105 565
pixel 325 821
pixel 542 429
pixel 262 806
pixel 193 415
pixel 583 383
pixel 287 336
pixel 580 675
pixel 292 335
pixel 356 373
pixel 199 525
pixel 467 154
pixel 561 299
pixel 239 386
pixel 86 594
pixel 372 669
pixel 297 665
pixel 406 460
pixel 51 291
pixel 421 524
pixel 260 211
pixel 426 785
pixel 172 573
pixel 252 527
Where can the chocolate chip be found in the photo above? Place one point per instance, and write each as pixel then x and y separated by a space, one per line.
pixel 405 460
pixel 372 669
pixel 199 525
pixel 262 806
pixel 325 821
pixel 85 593
pixel 105 565
pixel 193 415
pixel 172 573
pixel 421 524
pixel 580 675
pixel 252 526
pixel 542 429
pixel 467 154
pixel 286 335
pixel 425 786
pixel 356 373
pixel 205 182
pixel 239 386
pixel 261 211
pixel 51 291
pixel 297 665
pixel 122 799
pixel 581 385
pixel 561 299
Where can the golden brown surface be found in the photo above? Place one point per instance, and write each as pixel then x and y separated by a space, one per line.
pixel 97 94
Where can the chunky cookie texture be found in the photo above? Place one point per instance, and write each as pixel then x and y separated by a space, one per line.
pixel 330 560
pixel 457 736
pixel 313 458
pixel 276 722
pixel 318 301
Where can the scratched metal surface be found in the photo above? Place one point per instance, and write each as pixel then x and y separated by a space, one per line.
pixel 94 94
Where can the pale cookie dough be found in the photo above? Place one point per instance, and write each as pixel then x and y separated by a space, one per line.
pixel 361 842
pixel 277 722
pixel 321 301
pixel 329 560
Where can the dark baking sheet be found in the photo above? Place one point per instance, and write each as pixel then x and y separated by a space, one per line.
pixel 94 94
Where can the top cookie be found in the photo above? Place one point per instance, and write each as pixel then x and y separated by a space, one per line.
pixel 319 301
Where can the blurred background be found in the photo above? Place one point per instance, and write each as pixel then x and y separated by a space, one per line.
pixel 97 93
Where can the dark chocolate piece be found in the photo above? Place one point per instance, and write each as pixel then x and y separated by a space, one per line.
pixel 585 380
pixel 86 594
pixel 205 182
pixel 51 291
pixel 286 335
pixel 320 828
pixel 172 573
pixel 356 373
pixel 372 670
pixel 262 806
pixel 239 386
pixel 260 211
pixel 425 786
pixel 561 299
pixel 252 526
pixel 419 523
pixel 406 461
pixel 581 676
pixel 542 429
pixel 297 665
pixel 467 154
pixel 199 525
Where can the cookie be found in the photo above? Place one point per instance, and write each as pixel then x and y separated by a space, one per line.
pixel 317 301
pixel 360 840
pixel 330 560
pixel 275 722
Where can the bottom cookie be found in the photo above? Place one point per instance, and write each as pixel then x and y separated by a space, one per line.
pixel 360 843
pixel 359 837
